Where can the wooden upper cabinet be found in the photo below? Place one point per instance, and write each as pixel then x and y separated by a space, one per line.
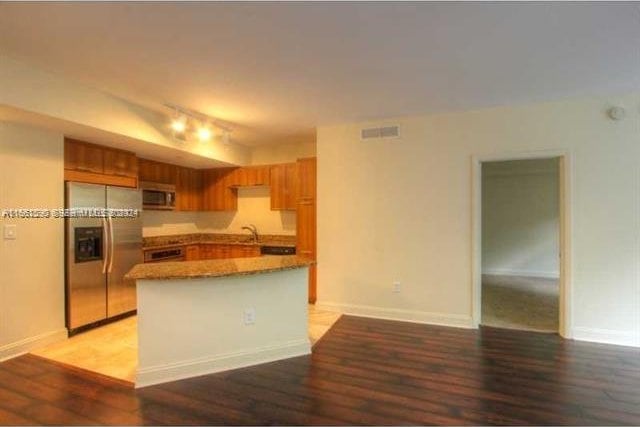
pixel 277 183
pixel 307 170
pixel 250 176
pixel 120 163
pixel 152 171
pixel 219 191
pixel 196 183
pixel 146 171
pixel 189 189
pixel 283 180
pixel 95 164
pixel 291 185
pixel 83 157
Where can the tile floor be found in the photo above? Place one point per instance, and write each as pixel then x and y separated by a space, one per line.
pixel 113 349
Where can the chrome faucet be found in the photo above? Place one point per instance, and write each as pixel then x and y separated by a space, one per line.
pixel 254 231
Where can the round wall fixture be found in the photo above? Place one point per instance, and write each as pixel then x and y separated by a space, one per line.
pixel 617 113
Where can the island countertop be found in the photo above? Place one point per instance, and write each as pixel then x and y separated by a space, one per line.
pixel 216 267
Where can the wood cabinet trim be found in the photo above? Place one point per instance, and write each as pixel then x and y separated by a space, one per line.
pixel 98 178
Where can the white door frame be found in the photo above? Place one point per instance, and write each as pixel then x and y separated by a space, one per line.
pixel 566 202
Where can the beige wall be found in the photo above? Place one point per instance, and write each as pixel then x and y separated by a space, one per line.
pixel 254 207
pixel 32 266
pixel 401 210
pixel 283 153
pixel 521 218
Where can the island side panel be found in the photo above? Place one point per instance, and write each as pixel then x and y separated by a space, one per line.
pixel 192 327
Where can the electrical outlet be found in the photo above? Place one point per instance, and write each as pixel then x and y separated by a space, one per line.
pixel 10 232
pixel 249 316
pixel 396 287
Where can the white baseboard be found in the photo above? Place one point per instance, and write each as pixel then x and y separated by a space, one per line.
pixel 522 273
pixel 402 315
pixel 209 365
pixel 607 336
pixel 23 346
pixel 604 336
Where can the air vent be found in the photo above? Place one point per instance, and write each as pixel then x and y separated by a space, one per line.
pixel 380 133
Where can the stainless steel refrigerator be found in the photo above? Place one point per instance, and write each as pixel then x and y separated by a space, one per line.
pixel 99 252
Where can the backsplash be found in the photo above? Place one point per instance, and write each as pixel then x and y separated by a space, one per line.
pixel 254 207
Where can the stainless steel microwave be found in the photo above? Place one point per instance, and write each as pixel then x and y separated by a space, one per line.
pixel 158 196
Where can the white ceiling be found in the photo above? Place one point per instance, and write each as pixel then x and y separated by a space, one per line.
pixel 277 70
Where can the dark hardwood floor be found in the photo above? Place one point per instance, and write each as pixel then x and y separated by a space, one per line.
pixel 363 371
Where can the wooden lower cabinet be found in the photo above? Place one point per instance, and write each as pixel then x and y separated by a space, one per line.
pixel 192 253
pixel 223 251
pixel 206 252
pixel 245 251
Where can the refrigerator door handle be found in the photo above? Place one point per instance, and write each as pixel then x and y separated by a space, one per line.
pixel 105 245
pixel 111 244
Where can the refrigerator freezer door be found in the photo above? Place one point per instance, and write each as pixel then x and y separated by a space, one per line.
pixel 126 251
pixel 85 282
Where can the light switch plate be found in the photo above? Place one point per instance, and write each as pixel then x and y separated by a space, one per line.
pixel 10 232
pixel 249 316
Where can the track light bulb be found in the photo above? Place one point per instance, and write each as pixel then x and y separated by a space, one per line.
pixel 179 125
pixel 204 133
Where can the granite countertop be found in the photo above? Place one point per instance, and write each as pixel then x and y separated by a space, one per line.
pixel 216 267
pixel 161 242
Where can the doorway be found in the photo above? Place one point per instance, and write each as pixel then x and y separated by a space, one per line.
pixel 520 256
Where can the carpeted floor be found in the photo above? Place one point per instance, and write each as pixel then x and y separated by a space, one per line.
pixel 513 302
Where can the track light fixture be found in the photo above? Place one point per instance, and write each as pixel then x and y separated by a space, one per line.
pixel 186 123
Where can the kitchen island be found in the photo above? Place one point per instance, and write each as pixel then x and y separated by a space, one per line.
pixel 201 317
